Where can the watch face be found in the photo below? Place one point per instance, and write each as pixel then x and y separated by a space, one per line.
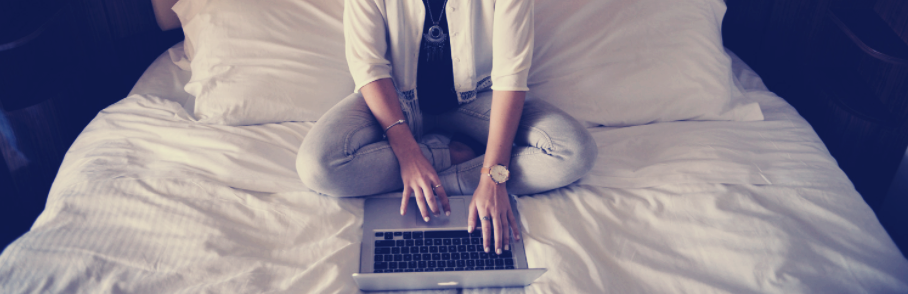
pixel 499 173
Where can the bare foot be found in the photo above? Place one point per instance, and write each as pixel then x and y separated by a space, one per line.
pixel 460 152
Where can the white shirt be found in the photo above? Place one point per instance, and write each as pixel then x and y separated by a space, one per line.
pixel 491 43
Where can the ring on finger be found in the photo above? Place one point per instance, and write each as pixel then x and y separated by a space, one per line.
pixel 487 218
pixel 435 187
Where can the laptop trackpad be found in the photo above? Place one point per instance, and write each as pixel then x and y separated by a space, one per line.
pixel 458 216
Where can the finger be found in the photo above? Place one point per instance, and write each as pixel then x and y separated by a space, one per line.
pixel 514 225
pixel 471 219
pixel 505 233
pixel 440 191
pixel 421 202
pixel 486 231
pixel 496 230
pixel 430 199
pixel 403 202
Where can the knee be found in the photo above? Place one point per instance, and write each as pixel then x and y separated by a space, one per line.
pixel 314 170
pixel 578 152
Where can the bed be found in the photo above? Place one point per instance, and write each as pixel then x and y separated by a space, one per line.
pixel 151 199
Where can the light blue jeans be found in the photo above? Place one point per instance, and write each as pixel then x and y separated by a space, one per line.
pixel 345 154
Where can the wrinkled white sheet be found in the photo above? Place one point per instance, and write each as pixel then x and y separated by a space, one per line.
pixel 149 202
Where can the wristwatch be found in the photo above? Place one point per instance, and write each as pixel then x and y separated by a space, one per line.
pixel 498 173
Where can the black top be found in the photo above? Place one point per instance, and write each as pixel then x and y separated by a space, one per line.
pixel 435 77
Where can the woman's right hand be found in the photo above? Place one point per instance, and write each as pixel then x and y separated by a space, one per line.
pixel 421 181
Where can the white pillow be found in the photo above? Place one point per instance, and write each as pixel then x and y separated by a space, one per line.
pixel 257 62
pixel 632 62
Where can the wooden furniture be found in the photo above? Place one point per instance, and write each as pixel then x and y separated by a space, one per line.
pixel 60 63
pixel 844 65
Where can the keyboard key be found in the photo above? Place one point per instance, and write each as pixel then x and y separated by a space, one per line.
pixel 508 261
pixel 403 264
pixel 417 257
pixel 449 269
pixel 509 267
pixel 476 241
pixel 407 235
pixel 455 256
pixel 388 257
pixel 436 256
pixel 408 257
pixel 436 242
pixel 404 250
pixel 398 233
pixel 417 242
pixel 427 256
pixel 421 264
pixel 395 250
pixel 378 271
pixel 499 262
pixel 471 263
pixel 455 242
pixel 461 263
pixel 398 257
pixel 379 234
pixel 384 243
pixel 471 248
pixel 483 255
pixel 431 264
pixel 424 249
pixel 389 235
pixel 398 270
pixel 490 262
pixel 465 241
pixel 468 268
pixel 464 255
pixel 445 256
pixel 411 264
pixel 458 269
pixel 409 243
pixel 446 242
pixel 446 234
pixel 442 249
pixel 378 258
pixel 474 255
pixel 452 248
pixel 461 248
pixel 392 265
pixel 451 263
pixel 507 254
pixel 417 235
pixel 400 243
pixel 380 265
pixel 432 249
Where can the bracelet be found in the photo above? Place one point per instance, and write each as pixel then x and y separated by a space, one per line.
pixel 394 124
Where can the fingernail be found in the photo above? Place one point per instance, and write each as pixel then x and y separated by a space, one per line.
pixel 426 218
pixel 470 230
pixel 448 213
pixel 498 251
pixel 507 247
pixel 401 212
pixel 487 249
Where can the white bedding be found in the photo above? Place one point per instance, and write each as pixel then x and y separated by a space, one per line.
pixel 147 201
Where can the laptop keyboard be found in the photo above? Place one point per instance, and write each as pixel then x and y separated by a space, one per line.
pixel 436 251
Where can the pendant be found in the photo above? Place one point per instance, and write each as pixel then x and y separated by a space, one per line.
pixel 435 42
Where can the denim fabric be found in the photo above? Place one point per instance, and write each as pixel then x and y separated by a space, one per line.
pixel 345 153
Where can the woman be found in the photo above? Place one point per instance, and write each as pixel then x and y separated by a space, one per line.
pixel 426 69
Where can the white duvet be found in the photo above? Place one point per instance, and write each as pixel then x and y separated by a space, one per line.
pixel 147 201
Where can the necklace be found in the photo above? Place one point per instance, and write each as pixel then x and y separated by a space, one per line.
pixel 435 38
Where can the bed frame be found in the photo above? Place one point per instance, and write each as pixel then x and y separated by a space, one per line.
pixel 842 63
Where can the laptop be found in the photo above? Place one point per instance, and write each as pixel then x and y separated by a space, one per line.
pixel 407 253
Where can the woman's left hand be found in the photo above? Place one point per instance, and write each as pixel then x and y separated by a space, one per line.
pixel 491 206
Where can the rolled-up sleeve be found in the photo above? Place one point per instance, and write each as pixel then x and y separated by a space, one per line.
pixel 512 44
pixel 366 42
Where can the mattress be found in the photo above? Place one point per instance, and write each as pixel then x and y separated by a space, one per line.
pixel 148 201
